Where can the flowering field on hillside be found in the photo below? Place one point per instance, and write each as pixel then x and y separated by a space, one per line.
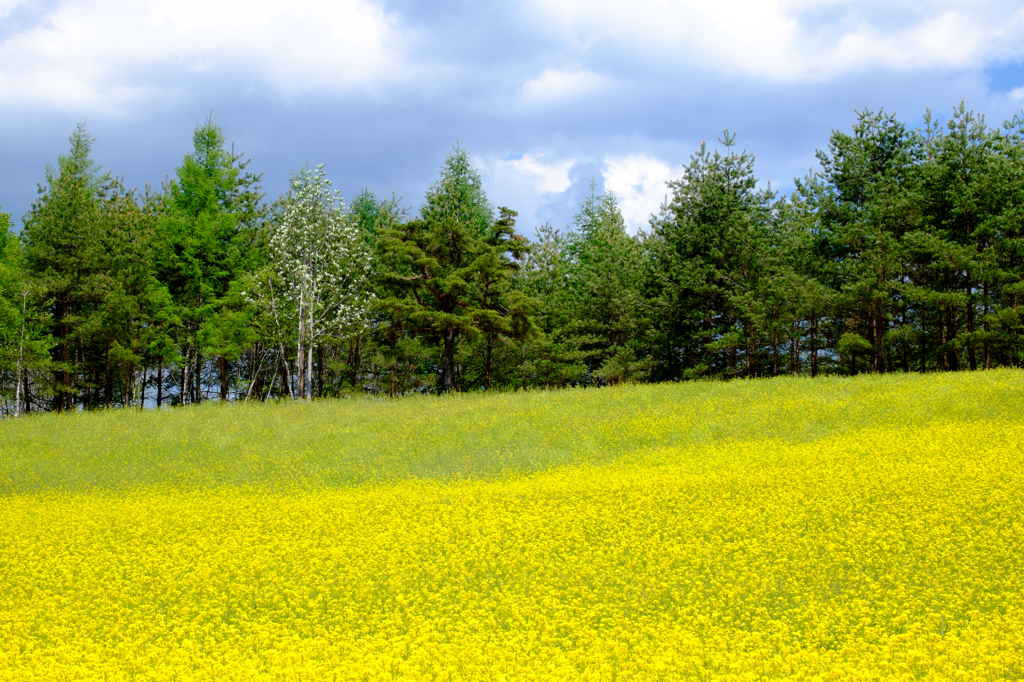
pixel 836 540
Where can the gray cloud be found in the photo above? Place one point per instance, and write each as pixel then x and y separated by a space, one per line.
pixel 500 78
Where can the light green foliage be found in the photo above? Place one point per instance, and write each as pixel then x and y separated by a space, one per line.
pixel 24 320
pixel 208 217
pixel 456 202
pixel 904 253
pixel 551 358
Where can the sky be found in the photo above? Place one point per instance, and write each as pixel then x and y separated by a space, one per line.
pixel 546 96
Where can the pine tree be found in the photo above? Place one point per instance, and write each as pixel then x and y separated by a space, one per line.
pixel 707 252
pixel 604 285
pixel 436 261
pixel 64 251
pixel 864 207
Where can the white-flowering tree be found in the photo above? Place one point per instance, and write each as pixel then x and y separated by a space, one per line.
pixel 322 266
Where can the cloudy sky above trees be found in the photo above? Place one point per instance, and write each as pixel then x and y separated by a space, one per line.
pixel 546 95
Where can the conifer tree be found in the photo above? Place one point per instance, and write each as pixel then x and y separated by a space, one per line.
pixel 209 215
pixel 707 249
pixel 64 250
pixel 604 284
pixel 437 260
pixel 552 357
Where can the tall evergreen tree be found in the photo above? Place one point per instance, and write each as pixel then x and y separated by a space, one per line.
pixel 604 284
pixel 707 250
pixel 865 205
pixel 439 257
pixel 209 213
pixel 64 250
pixel 552 357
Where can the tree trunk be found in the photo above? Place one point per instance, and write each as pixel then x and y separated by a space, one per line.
pixel 108 389
pixel 448 363
pixel 487 364
pixel 954 356
pixel 924 347
pixel 21 355
pixel 309 371
pixel 877 341
pixel 60 398
pixel 749 354
pixel 732 348
pixel 794 354
pixel 357 359
pixel 286 383
pixel 906 344
pixel 300 357
pixel 182 390
pixel 319 370
pixel 309 356
pixel 945 350
pixel 129 375
pixel 159 385
pixel 814 346
pixel 224 379
pixel 775 353
pixel 970 332
pixel 197 396
pixel 988 345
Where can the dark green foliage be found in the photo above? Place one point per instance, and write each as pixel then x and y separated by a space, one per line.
pixel 450 270
pixel 24 343
pixel 604 288
pixel 712 255
pixel 904 252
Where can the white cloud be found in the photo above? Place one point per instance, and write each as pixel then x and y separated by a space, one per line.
pixel 533 180
pixel 530 172
pixel 105 53
pixel 547 177
pixel 798 39
pixel 639 183
pixel 7 6
pixel 555 85
pixel 524 183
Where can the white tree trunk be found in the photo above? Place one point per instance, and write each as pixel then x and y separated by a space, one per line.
pixel 21 358
pixel 309 371
pixel 309 356
pixel 300 357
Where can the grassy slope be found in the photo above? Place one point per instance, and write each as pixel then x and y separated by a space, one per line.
pixel 339 443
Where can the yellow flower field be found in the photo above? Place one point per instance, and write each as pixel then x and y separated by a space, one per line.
pixel 886 542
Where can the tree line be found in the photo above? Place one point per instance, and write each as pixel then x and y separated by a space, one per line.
pixel 904 252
